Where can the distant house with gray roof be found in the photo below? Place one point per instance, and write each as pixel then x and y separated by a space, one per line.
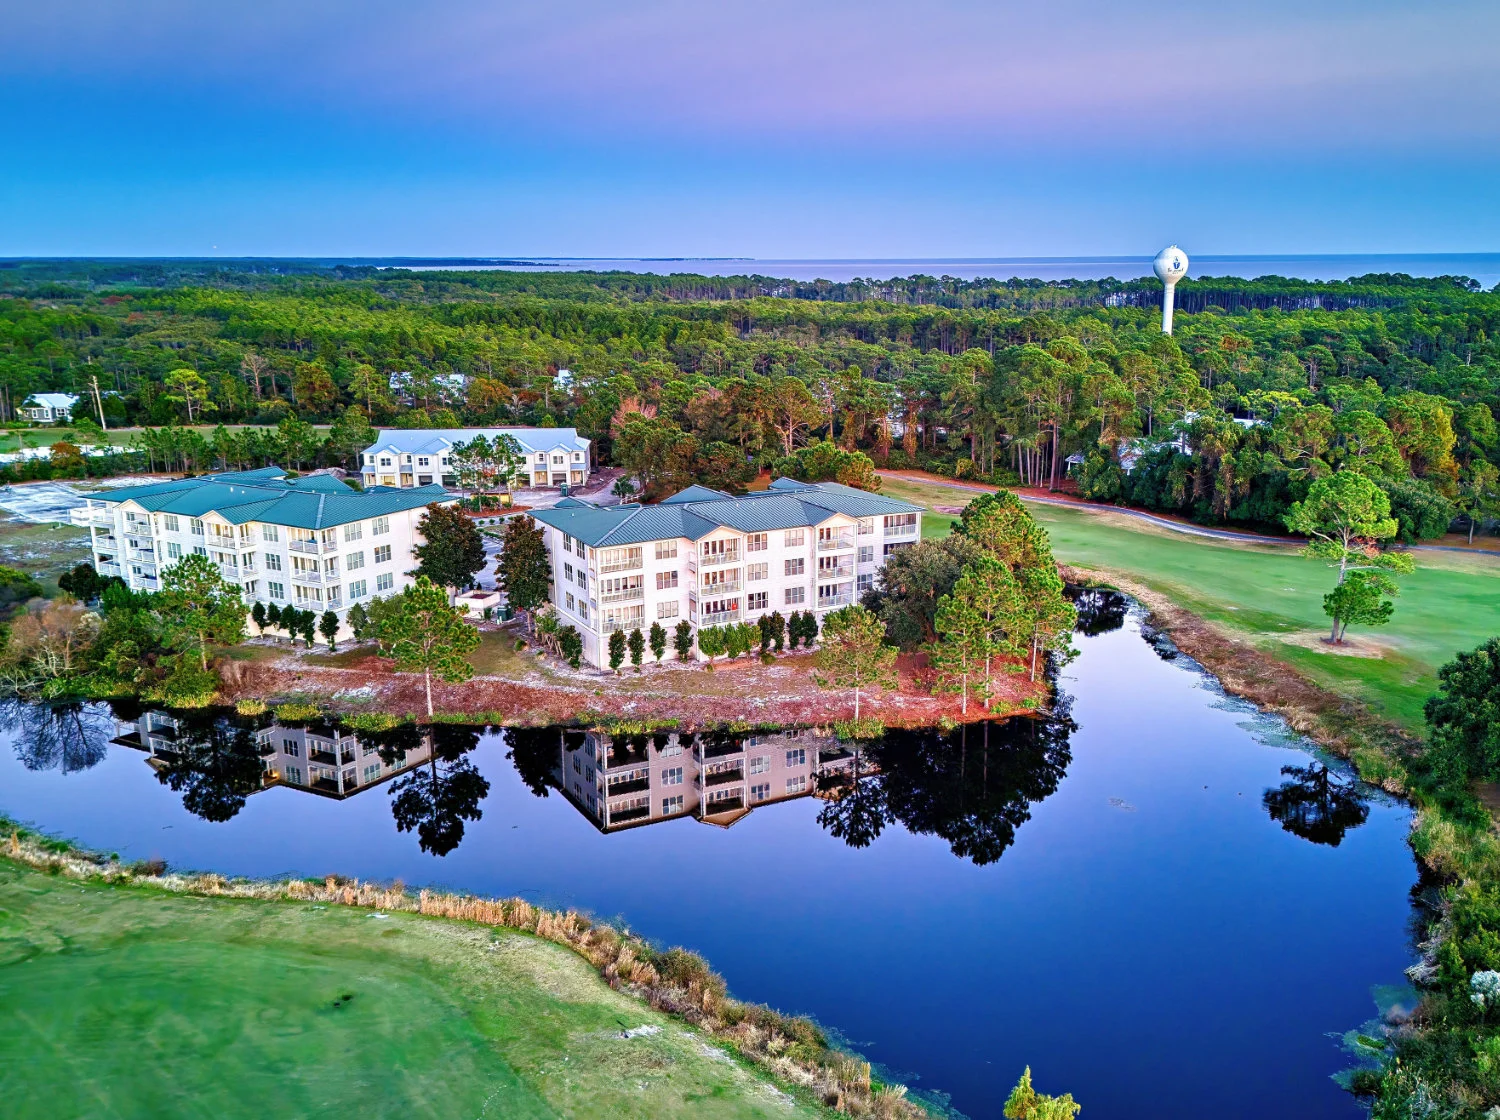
pixel 711 558
pixel 554 457
pixel 49 408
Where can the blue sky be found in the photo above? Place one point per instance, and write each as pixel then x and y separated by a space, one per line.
pixel 772 129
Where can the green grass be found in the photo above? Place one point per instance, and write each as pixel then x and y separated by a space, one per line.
pixel 11 441
pixel 1275 597
pixel 45 550
pixel 127 1002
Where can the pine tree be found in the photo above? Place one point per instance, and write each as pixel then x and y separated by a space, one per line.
pixel 525 571
pixel 637 644
pixel 329 628
pixel 198 608
pixel 658 641
pixel 854 654
pixel 423 632
pixel 452 552
pixel 258 613
pixel 617 650
pixel 682 640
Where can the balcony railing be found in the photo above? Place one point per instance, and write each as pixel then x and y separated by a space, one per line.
pixel 313 547
pixel 86 515
pixel 105 568
pixel 333 604
pixel 841 571
pixel 142 555
pixel 829 602
pixel 301 575
pixel 719 618
pixel 629 595
pixel 106 540
pixel 637 784
pixel 328 758
pixel 834 543
pixel 629 564
pixel 901 531
pixel 718 560
pixel 633 813
pixel 135 540
pixel 726 805
pixel 724 777
pixel 724 587
pixel 613 624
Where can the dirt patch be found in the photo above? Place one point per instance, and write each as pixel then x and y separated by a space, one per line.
pixel 537 690
pixel 1350 647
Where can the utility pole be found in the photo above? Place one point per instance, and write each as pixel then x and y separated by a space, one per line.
pixel 98 401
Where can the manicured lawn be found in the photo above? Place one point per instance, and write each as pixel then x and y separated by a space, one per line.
pixel 129 1002
pixel 1275 596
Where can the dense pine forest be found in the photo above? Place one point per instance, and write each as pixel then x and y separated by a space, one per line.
pixel 1268 383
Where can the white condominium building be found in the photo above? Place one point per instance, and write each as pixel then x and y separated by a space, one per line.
pixel 711 559
pixel 312 543
pixel 554 457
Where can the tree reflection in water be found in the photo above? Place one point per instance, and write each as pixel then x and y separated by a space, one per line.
pixel 1100 610
pixel 66 737
pixel 1316 805
pixel 434 800
pixel 972 786
pixel 214 763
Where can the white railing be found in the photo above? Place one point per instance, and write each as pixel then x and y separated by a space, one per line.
pixel 719 618
pixel 901 531
pixel 301 576
pixel 333 604
pixel 613 624
pixel 718 560
pixel 631 565
pixel 104 568
pixel 843 571
pixel 833 543
pixel 629 595
pixel 143 556
pixel 91 515
pixel 834 601
pixel 106 540
pixel 728 586
pixel 313 547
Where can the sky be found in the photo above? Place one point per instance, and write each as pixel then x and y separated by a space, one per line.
pixel 773 129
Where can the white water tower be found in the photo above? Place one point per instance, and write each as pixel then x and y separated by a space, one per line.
pixel 1171 265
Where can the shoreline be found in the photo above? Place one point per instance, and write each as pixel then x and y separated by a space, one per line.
pixel 787 1051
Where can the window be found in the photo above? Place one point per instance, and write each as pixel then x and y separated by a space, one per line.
pixel 672 748
pixel 757 600
pixel 423 461
pixel 583 580
pixel 797 784
pixel 169 522
pixel 354 532
pixel 385 460
pixel 198 526
pixel 357 589
pixel 671 805
pixel 672 777
pixel 252 589
pixel 666 580
pixel 273 562
pixel 354 560
pixel 383 554
pixel 794 538
pixel 385 581
pixel 760 792
pixel 901 524
pixel 867 554
pixel 668 610
pixel 568 572
pixel 866 526
pixel 896 547
pixel 174 550
pixel 756 542
pixel 757 571
pixel 372 772
pixel 291 747
pixel 796 566
pixel 583 610
pixel 294 775
pixel 200 550
pixel 797 757
pixel 276 591
pixel 760 764
pixel 866 582
pixel 568 600
pixel 666 550
pixel 270 533
pixel 380 525
pixel 795 595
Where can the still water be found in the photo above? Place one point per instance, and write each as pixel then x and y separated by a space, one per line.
pixel 1159 899
pixel 1484 267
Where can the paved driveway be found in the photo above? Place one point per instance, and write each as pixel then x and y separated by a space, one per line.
pixel 40 501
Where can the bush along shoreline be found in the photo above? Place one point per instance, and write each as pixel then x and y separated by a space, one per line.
pixel 1442 1060
pixel 792 1050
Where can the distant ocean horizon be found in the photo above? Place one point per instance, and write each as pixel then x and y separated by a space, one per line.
pixel 1483 267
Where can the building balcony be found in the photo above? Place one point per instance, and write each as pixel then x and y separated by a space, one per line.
pixel 830 602
pixel 333 604
pixel 629 595
pixel 721 747
pixel 719 560
pixel 724 805
pixel 313 547
pixel 633 565
pixel 634 813
pixel 634 785
pixel 88 515
pixel 841 571
pixel 142 556
pixel 725 587
pixel 106 568
pixel 148 583
pixel 135 540
pixel 724 777
pixel 833 544
pixel 895 531
pixel 328 758
pixel 106 540
pixel 613 624
pixel 719 618
pixel 301 575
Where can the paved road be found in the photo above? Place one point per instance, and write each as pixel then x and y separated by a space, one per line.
pixel 1164 522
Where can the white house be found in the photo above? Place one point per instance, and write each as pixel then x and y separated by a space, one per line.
pixel 710 559
pixel 49 408
pixel 312 542
pixel 420 457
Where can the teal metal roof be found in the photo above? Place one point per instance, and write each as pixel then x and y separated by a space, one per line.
pixel 799 505
pixel 694 493
pixel 315 502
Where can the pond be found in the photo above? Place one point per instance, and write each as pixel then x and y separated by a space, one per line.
pixel 1158 898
